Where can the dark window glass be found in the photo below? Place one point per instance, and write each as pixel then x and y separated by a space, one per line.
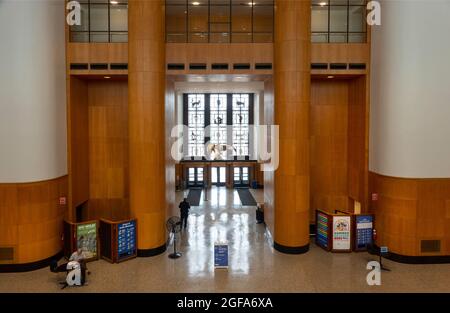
pixel 338 21
pixel 176 23
pixel 219 21
pixel 102 21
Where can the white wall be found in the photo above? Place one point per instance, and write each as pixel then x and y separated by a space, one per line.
pixel 410 102
pixel 32 91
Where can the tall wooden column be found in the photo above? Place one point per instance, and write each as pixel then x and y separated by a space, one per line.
pixel 146 83
pixel 292 98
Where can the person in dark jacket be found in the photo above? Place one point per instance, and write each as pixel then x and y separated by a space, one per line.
pixel 184 212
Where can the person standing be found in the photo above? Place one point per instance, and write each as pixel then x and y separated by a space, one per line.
pixel 184 212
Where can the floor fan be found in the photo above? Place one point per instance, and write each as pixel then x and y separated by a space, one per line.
pixel 173 225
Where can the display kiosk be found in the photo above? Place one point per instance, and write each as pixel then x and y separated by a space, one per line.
pixel 81 235
pixel 363 231
pixel 344 232
pixel 118 240
pixel 334 231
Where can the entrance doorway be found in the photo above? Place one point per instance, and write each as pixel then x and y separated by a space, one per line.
pixel 241 176
pixel 218 175
pixel 195 177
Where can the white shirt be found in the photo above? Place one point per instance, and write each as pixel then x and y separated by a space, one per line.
pixel 77 257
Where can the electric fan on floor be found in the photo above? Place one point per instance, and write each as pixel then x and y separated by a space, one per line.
pixel 173 225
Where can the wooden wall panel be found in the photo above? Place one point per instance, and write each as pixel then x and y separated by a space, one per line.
pixel 339 144
pixel 97 53
pixel 31 218
pixel 108 149
pixel 219 53
pixel 411 210
pixel 340 53
pixel 259 175
pixel 78 147
pixel 329 145
pixel 358 140
pixel 179 175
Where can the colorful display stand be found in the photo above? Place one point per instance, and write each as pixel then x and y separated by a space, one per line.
pixel 81 235
pixel 334 231
pixel 118 240
pixel 323 230
pixel 344 232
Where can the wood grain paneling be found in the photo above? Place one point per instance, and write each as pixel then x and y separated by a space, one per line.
pixel 31 218
pixel 219 53
pixel 108 150
pixel 340 53
pixel 358 141
pixel 179 175
pixel 339 144
pixel 78 144
pixel 97 53
pixel 146 115
pixel 411 210
pixel 292 50
pixel 329 155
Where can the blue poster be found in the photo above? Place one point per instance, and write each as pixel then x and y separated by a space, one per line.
pixel 364 229
pixel 221 255
pixel 126 241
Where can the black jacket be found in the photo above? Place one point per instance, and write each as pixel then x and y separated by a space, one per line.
pixel 184 208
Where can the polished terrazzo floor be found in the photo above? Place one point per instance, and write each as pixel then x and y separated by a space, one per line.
pixel 254 265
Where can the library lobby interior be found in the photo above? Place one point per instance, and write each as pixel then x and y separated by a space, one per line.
pixel 272 146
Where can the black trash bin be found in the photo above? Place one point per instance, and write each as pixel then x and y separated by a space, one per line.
pixel 260 214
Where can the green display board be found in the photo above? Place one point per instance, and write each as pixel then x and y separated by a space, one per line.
pixel 87 239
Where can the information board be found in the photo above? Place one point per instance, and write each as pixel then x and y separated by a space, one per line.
pixel 322 230
pixel 126 239
pixel 87 239
pixel 221 255
pixel 364 229
pixel 341 233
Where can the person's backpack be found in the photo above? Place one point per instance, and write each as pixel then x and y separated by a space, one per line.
pixel 53 265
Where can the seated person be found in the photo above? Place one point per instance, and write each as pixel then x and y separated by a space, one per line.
pixel 79 256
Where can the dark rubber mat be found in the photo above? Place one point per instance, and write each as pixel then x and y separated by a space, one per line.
pixel 246 197
pixel 194 197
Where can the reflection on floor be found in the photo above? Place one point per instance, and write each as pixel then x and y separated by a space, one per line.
pixel 254 265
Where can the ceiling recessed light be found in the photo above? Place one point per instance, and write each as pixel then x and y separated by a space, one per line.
pixel 330 77
pixel 250 3
pixel 106 77
pixel 195 3
pixel 114 2
pixel 322 3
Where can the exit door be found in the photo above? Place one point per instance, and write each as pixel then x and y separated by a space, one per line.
pixel 195 177
pixel 218 176
pixel 241 176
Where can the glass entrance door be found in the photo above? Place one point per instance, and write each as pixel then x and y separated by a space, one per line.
pixel 195 177
pixel 241 176
pixel 218 176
